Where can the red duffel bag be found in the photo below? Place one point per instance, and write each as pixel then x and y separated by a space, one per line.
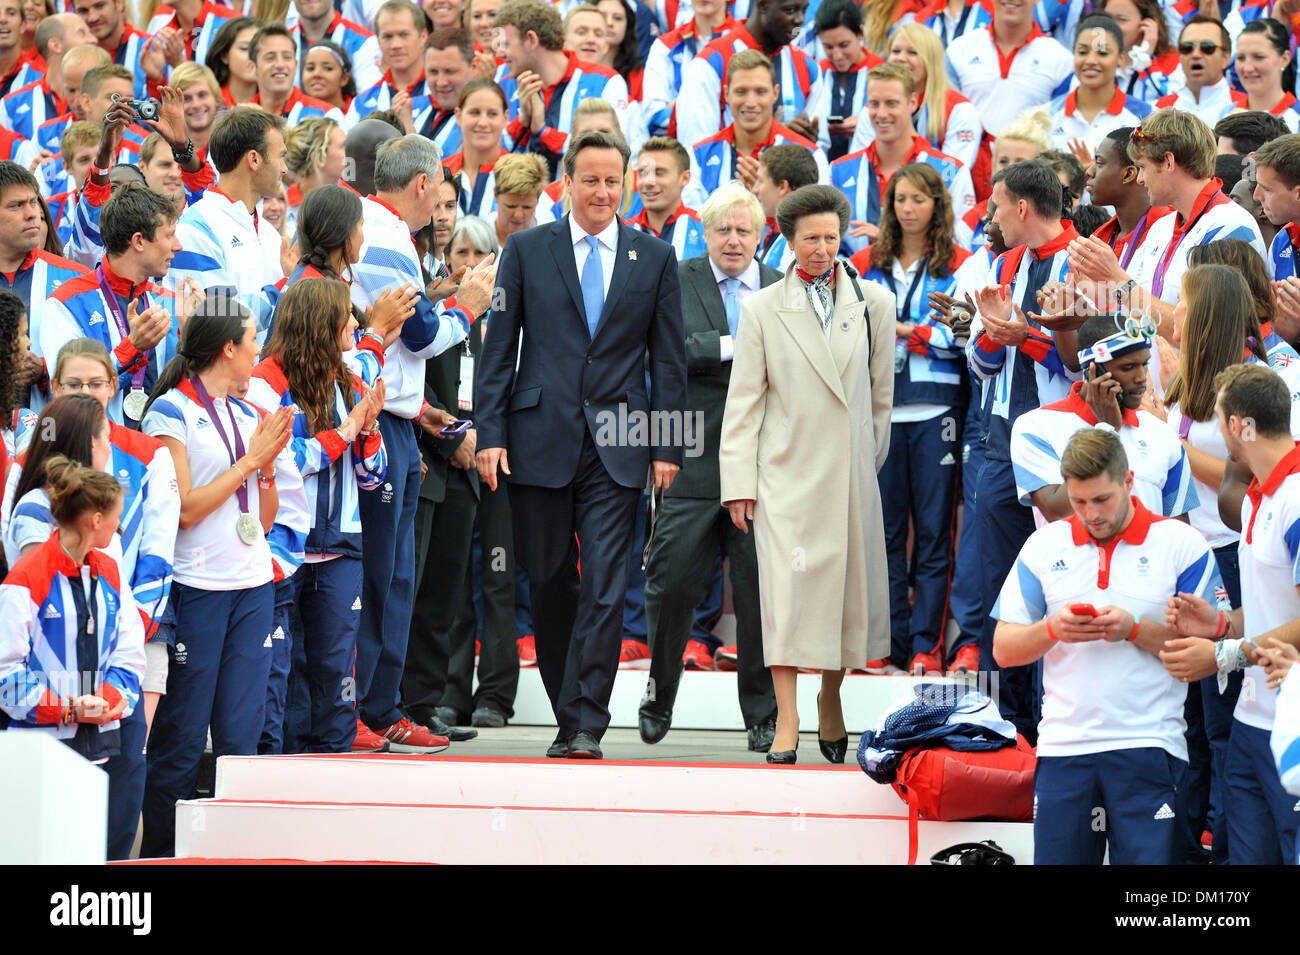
pixel 942 783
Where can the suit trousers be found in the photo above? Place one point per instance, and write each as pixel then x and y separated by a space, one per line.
pixel 577 619
pixel 494 559
pixel 689 535
pixel 438 671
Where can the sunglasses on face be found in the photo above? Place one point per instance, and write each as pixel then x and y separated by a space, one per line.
pixel 1206 46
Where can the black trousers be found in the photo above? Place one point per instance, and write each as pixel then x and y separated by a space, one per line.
pixel 689 534
pixel 498 662
pixel 440 669
pixel 577 620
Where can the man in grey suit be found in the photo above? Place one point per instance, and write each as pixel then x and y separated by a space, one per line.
pixel 691 525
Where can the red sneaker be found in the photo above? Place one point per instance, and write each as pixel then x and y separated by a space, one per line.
pixel 635 656
pixel 967 660
pixel 882 667
pixel 368 741
pixel 697 656
pixel 527 651
pixel 726 658
pixel 926 664
pixel 407 737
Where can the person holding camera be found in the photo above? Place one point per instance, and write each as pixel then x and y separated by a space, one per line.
pixel 1087 597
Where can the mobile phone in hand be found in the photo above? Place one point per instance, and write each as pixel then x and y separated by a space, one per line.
pixel 459 426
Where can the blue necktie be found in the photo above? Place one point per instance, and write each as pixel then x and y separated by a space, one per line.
pixel 733 304
pixel 593 285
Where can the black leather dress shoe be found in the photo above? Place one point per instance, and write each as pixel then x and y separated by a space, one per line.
pixel 653 727
pixel 761 735
pixel 583 745
pixel 438 728
pixel 560 748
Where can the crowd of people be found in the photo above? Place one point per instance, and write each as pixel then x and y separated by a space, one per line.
pixel 315 317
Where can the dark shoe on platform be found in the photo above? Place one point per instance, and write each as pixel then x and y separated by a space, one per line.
pixel 787 757
pixel 834 750
pixel 560 748
pixel 653 726
pixel 487 716
pixel 583 745
pixel 439 728
pixel 448 715
pixel 761 735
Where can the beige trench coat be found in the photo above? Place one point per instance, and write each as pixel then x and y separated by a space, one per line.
pixel 805 430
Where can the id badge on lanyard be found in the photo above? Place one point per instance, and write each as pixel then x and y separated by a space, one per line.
pixel 465 393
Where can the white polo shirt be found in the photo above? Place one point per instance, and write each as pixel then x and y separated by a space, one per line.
pixel 1068 122
pixel 1101 696
pixel 1002 86
pixel 1159 269
pixel 1269 553
pixel 1162 479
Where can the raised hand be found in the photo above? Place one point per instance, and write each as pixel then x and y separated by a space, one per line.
pixel 994 302
pixel 474 293
pixel 269 438
pixel 149 329
pixel 391 309
pixel 170 123
pixel 402 106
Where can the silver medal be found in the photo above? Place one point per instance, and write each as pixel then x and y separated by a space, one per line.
pixel 134 402
pixel 249 530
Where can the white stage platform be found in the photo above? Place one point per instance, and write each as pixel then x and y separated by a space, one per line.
pixel 469 810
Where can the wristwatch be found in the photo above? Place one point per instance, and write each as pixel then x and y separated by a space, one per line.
pixel 1124 292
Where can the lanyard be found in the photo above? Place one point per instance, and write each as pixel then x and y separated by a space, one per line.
pixel 1134 240
pixel 1158 282
pixel 960 28
pixel 115 309
pixel 87 614
pixel 206 400
pixel 906 310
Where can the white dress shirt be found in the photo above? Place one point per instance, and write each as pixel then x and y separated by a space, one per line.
pixel 750 282
pixel 608 240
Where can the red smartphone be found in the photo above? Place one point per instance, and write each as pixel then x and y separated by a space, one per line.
pixel 1084 610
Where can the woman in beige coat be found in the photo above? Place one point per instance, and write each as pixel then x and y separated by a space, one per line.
pixel 805 430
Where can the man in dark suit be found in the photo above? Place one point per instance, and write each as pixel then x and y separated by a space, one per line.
pixel 691 526
pixel 573 429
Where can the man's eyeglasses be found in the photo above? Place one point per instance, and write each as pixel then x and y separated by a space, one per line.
pixel 75 386
pixel 1206 46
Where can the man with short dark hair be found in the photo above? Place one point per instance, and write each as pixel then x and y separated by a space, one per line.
pixel 663 170
pixel 1018 362
pixel 227 247
pixel 549 420
pixel 448 66
pixel 1243 133
pixel 401 28
pixel 1277 189
pixel 1206 50
pixel 1087 598
pixel 15 70
pixel 119 304
pixel 781 170
pixel 546 82
pixel 27 108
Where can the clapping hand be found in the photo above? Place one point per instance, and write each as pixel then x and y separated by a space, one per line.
pixel 474 293
pixel 1277 658
pixel 404 109
pixel 391 310
pixel 270 437
pixel 149 329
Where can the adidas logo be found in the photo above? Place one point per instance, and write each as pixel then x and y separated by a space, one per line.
pixel 1285 253
pixel 851 181
pixel 356 604
pixel 202 423
pixel 97 319
pixel 1059 565
pixel 52 612
pixel 279 633
pixel 1164 812
pixel 715 161
pixel 268 643
pixel 24 108
pixel 947 460
pixel 235 243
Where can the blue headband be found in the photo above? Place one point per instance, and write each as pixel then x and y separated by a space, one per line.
pixel 1112 347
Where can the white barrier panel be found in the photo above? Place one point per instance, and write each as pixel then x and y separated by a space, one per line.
pixel 496 835
pixel 54 801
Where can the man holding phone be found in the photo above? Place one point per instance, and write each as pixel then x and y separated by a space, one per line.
pixel 1110 397
pixel 1087 596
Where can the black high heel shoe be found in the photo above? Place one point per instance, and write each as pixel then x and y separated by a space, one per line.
pixel 787 757
pixel 833 749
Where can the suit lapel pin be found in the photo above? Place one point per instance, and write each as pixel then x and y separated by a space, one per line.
pixel 631 255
